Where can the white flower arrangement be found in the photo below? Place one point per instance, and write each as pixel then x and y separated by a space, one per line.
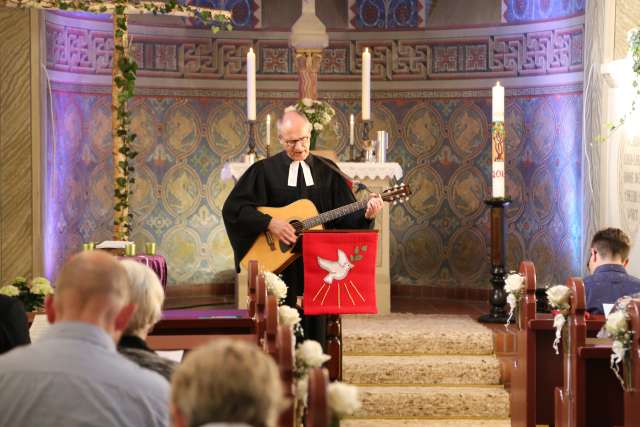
pixel 309 355
pixel 289 316
pixel 558 297
pixel 10 291
pixel 343 399
pixel 275 286
pixel 513 286
pixel 617 328
pixel 317 112
pixel 31 294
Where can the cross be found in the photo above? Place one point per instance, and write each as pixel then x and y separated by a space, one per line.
pixel 123 79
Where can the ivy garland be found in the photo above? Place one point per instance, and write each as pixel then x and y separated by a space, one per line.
pixel 124 77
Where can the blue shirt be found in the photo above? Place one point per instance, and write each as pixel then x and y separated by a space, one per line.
pixel 608 283
pixel 73 376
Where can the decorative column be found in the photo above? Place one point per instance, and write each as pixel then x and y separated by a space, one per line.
pixel 308 63
pixel 308 37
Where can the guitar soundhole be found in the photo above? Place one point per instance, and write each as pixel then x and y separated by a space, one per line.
pixel 299 227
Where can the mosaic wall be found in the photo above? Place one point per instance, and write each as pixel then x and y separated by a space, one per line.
pixel 388 14
pixel 440 237
pixel 518 11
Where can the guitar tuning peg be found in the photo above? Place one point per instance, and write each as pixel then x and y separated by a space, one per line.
pixel 406 199
pixel 395 202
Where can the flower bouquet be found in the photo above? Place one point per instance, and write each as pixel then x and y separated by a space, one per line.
pixel 617 328
pixel 275 286
pixel 343 400
pixel 558 296
pixel 317 112
pixel 513 286
pixel 32 294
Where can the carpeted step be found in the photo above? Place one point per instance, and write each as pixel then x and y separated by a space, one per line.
pixel 402 333
pixel 434 402
pixel 429 369
pixel 425 423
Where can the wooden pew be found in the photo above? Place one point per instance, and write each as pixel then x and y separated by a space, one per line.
pixel 632 397
pixel 591 394
pixel 318 406
pixel 271 329
pixel 252 277
pixel 286 360
pixel 185 334
pixel 536 370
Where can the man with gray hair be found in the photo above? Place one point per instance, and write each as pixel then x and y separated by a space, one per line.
pixel 280 180
pixel 73 376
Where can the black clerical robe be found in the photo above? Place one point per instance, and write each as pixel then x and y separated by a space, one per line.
pixel 265 183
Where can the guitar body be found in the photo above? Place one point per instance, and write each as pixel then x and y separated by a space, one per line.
pixel 277 256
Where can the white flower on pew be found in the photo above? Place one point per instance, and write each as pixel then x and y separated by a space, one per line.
pixel 558 297
pixel 513 286
pixel 309 354
pixel 343 399
pixel 617 323
pixel 275 286
pixel 617 327
pixel 10 291
pixel 288 316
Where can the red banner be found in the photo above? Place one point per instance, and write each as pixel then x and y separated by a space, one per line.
pixel 340 271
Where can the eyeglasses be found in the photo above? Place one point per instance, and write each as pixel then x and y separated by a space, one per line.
pixel 293 142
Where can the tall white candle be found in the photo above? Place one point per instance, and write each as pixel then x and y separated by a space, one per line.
pixel 268 129
pixel 497 142
pixel 351 130
pixel 251 85
pixel 366 85
pixel 497 103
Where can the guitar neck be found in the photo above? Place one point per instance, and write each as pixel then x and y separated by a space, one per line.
pixel 334 214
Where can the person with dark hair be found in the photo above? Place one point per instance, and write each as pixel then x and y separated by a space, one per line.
pixel 609 280
pixel 14 327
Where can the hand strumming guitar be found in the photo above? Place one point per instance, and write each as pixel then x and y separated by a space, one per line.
pixel 283 231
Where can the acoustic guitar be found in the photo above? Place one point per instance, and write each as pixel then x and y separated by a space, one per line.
pixel 275 256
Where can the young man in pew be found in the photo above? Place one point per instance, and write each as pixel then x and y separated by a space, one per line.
pixel 278 181
pixel 609 280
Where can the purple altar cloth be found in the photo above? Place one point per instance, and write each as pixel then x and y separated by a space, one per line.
pixel 157 264
pixel 204 314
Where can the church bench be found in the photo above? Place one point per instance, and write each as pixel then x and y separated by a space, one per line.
pixel 536 369
pixel 590 394
pixel 190 329
pixel 318 406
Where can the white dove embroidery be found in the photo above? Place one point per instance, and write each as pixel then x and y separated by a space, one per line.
pixel 337 270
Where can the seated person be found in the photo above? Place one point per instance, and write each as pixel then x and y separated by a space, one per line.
pixel 609 280
pixel 74 376
pixel 226 381
pixel 148 296
pixel 14 326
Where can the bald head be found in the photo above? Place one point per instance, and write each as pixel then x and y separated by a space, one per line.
pixel 91 284
pixel 294 131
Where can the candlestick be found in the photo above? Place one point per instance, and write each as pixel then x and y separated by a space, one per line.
pixel 366 85
pixel 497 142
pixel 251 85
pixel 497 103
pixel 252 141
pixel 268 134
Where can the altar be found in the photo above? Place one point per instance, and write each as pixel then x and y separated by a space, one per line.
pixel 377 177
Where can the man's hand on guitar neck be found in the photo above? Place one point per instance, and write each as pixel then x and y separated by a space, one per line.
pixel 374 206
pixel 283 231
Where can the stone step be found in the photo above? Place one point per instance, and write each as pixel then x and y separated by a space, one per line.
pixel 402 333
pixel 417 370
pixel 381 422
pixel 433 402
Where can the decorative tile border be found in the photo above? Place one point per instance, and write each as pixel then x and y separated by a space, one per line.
pixel 529 53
